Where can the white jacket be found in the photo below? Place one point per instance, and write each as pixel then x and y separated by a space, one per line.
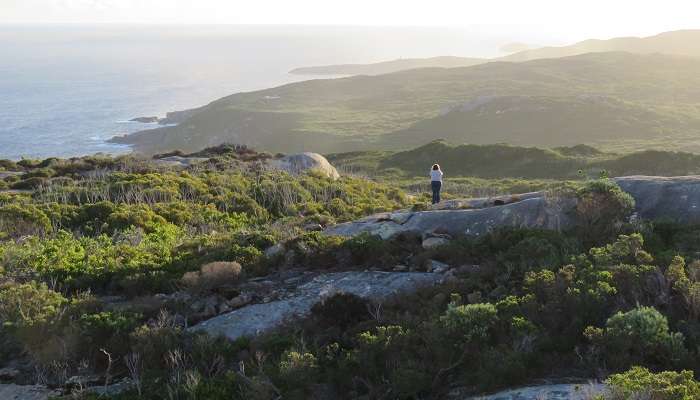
pixel 435 176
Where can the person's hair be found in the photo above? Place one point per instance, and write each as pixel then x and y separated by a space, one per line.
pixel 436 167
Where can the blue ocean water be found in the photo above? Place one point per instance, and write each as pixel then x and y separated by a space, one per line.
pixel 65 90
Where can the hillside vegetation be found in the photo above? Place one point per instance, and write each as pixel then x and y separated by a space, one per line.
pixel 104 263
pixel 507 161
pixel 612 99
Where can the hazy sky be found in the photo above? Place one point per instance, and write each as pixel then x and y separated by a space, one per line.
pixel 570 19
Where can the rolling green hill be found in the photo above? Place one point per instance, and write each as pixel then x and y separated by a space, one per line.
pixel 506 161
pixel 609 98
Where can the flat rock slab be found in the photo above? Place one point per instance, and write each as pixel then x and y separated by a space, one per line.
pixel 256 319
pixel 25 392
pixel 549 392
pixel 531 212
pixel 484 202
pixel 674 199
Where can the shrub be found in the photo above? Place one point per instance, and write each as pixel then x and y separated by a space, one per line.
pixel 33 314
pixel 601 209
pixel 640 383
pixel 17 221
pixel 340 310
pixel 472 322
pixel 640 335
pixel 211 276
pixel 29 305
pixel 297 366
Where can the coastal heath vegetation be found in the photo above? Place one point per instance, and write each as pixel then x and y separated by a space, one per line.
pixel 102 259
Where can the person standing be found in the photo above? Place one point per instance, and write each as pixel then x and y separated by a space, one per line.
pixel 436 182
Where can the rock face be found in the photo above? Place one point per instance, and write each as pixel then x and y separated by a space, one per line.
pixel 675 199
pixel 25 392
pixel 299 163
pixel 549 392
pixel 259 318
pixel 531 212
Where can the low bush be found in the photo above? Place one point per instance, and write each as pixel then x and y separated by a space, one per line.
pixel 211 276
pixel 601 209
pixel 640 383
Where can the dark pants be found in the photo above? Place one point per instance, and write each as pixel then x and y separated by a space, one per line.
pixel 436 186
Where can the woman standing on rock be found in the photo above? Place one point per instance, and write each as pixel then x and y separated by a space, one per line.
pixel 436 182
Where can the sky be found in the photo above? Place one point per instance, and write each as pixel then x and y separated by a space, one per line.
pixel 568 19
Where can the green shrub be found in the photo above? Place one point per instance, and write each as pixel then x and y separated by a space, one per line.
pixel 22 220
pixel 341 310
pixel 32 314
pixel 472 322
pixel 601 209
pixel 640 335
pixel 640 383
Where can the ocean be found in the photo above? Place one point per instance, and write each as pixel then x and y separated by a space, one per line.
pixel 65 90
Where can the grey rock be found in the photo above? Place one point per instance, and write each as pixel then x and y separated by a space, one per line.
pixel 303 162
pixel 675 199
pixel 400 268
pixel 549 392
pixel 26 392
pixel 533 212
pixel 260 318
pixel 484 202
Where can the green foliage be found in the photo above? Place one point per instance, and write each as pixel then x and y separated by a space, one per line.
pixel 639 382
pixel 20 220
pixel 534 300
pixel 601 209
pixel 639 335
pixel 471 321
pixel 29 305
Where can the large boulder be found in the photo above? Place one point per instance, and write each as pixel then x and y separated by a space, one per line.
pixel 674 199
pixel 260 318
pixel 531 212
pixel 299 163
